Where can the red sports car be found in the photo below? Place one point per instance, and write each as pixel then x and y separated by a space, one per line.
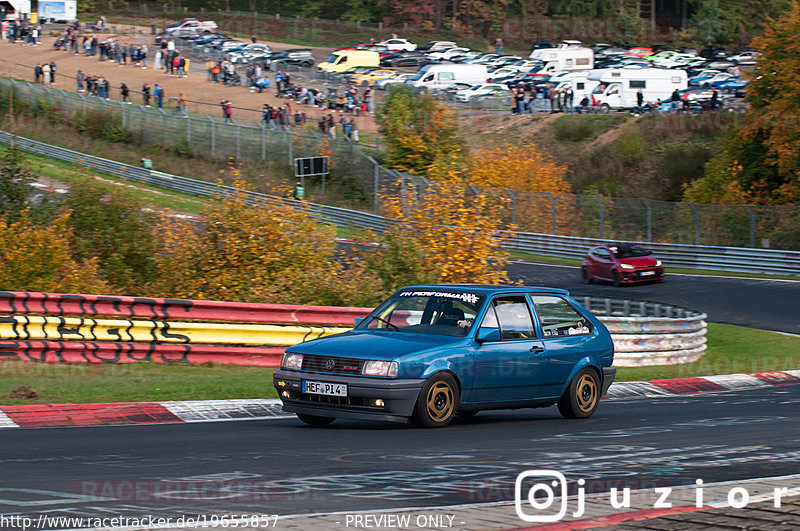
pixel 621 263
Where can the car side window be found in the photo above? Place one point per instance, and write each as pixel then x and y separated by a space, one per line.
pixel 512 316
pixel 558 318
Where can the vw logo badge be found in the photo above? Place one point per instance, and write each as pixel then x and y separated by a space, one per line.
pixel 330 364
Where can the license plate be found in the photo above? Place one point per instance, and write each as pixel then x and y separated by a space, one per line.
pixel 324 388
pixel 647 273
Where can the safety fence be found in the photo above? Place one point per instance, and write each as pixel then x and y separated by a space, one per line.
pixel 53 327
pixel 601 218
pixel 715 258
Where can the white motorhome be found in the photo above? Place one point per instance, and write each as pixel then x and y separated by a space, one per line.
pixel 618 86
pixel 440 76
pixel 568 56
pixel 580 84
pixel 58 10
pixel 15 9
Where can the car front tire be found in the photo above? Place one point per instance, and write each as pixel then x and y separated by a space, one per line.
pixel 615 279
pixel 582 396
pixel 437 402
pixel 586 276
pixel 314 420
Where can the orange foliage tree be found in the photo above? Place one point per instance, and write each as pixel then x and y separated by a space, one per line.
pixel 262 253
pixel 523 168
pixel 417 129
pixel 449 233
pixel 38 258
pixel 773 94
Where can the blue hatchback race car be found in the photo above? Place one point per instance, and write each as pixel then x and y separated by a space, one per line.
pixel 430 353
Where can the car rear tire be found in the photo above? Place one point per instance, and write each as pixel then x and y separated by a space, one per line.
pixel 314 420
pixel 615 279
pixel 437 402
pixel 586 276
pixel 582 396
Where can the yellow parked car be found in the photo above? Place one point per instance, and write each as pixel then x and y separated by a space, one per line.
pixel 369 78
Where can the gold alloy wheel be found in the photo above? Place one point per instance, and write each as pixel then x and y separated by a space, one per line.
pixel 586 392
pixel 440 401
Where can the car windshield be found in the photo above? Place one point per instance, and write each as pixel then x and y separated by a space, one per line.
pixel 628 251
pixel 447 313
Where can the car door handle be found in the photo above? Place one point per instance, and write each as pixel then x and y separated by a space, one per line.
pixel 536 349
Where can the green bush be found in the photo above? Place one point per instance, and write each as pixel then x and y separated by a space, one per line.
pixel 630 145
pixel 581 128
pixel 183 150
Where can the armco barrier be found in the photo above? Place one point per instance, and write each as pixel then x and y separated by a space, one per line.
pixel 52 327
pixel 714 258
pixel 650 333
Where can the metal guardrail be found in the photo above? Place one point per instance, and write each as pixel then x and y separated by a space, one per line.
pixel 734 259
pixel 650 333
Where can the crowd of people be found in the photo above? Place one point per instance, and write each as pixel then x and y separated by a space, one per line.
pixel 113 49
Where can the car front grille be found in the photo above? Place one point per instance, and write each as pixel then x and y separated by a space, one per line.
pixel 332 365
pixel 339 400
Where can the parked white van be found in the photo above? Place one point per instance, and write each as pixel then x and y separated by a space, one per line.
pixel 438 76
pixel 618 86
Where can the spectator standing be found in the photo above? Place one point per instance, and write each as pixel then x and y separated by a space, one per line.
pixel 146 94
pixel 45 72
pixel 157 60
pixel 183 104
pixel 53 69
pixel 498 46
pixel 37 74
pixel 79 80
pixel 158 93
pixel 124 92
pixel 676 100
pixel 227 110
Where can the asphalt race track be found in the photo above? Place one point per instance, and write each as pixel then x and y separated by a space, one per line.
pixel 284 467
pixel 756 303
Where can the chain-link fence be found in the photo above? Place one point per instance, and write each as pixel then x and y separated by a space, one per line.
pixel 590 216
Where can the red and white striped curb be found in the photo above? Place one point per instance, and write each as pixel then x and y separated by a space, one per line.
pixel 702 384
pixel 43 415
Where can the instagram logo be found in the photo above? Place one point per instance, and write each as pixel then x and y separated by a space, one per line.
pixel 548 485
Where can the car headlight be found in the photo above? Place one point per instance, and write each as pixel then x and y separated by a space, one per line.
pixel 292 361
pixel 379 368
pixel 627 266
pixel 658 263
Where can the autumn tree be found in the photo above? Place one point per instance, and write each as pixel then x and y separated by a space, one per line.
pixel 111 223
pixel 760 163
pixel 417 129
pixel 258 253
pixel 522 168
pixel 450 233
pixel 39 258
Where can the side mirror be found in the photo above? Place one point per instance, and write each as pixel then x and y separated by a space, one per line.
pixel 357 321
pixel 487 334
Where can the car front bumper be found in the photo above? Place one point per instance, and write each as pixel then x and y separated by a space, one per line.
pixel 399 396
pixel 641 275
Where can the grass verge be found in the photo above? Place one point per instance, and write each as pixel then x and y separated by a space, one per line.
pixel 133 382
pixel 732 349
